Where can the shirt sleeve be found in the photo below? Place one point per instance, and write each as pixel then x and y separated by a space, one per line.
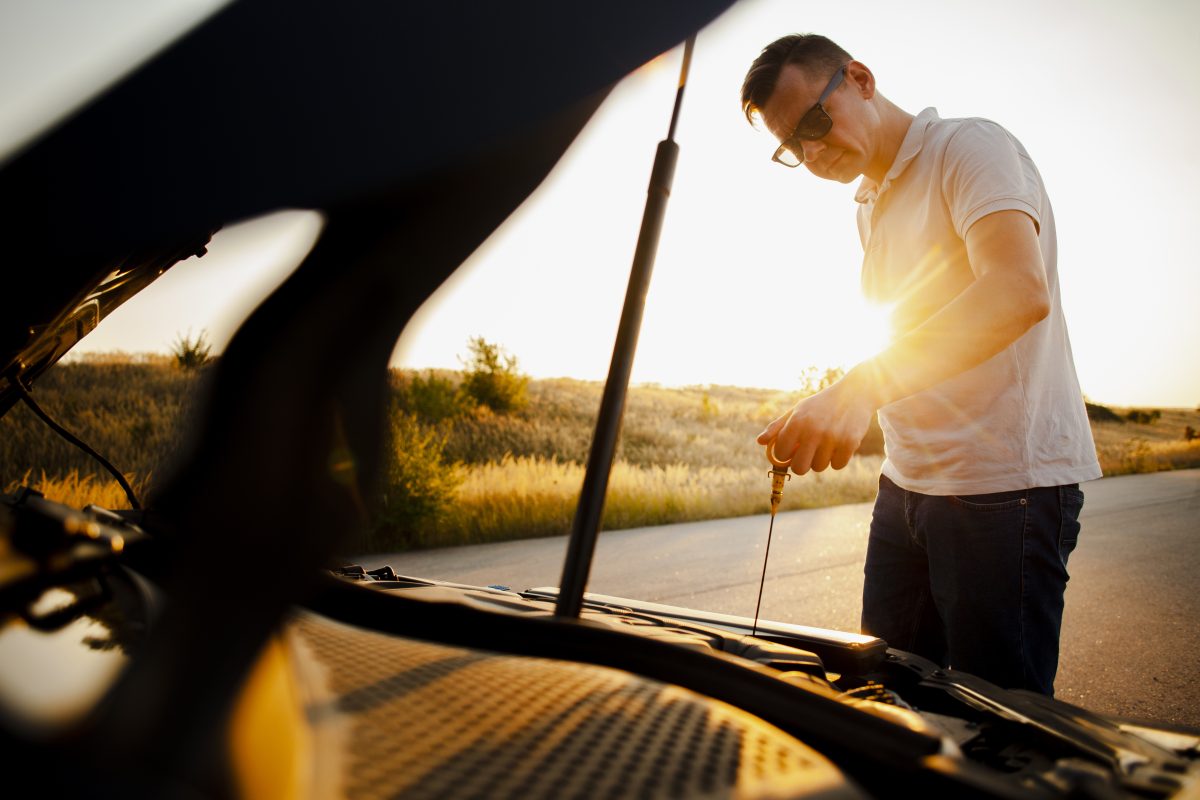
pixel 986 170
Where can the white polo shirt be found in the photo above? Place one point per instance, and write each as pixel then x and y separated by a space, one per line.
pixel 1016 421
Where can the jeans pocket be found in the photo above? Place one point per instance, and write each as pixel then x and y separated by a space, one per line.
pixel 1070 503
pixel 991 503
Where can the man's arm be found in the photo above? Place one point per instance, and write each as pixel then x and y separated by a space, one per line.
pixel 1008 297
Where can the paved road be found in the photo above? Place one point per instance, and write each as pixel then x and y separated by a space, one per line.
pixel 1131 641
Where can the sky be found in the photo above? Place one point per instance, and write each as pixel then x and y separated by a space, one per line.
pixel 757 272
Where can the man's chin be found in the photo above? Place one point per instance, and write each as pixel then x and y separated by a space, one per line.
pixel 836 170
pixel 839 176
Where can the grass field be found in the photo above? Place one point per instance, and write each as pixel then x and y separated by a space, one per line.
pixel 685 453
pixel 1130 447
pixel 530 496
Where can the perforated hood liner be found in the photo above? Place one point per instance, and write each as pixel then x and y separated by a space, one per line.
pixel 413 719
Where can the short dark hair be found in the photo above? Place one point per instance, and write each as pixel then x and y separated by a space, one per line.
pixel 809 51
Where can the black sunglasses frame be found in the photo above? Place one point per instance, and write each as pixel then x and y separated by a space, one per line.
pixel 814 124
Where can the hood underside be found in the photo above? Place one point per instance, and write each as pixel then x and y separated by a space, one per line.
pixel 272 104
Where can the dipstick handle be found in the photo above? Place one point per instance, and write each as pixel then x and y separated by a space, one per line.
pixel 779 475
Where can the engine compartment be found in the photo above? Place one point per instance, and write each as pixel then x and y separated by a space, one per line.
pixel 82 602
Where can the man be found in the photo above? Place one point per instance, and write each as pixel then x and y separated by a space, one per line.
pixel 985 429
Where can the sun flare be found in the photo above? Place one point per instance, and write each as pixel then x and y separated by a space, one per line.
pixel 868 330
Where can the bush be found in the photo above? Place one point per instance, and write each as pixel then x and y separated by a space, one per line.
pixel 191 353
pixel 432 398
pixel 418 486
pixel 1143 417
pixel 1099 413
pixel 492 377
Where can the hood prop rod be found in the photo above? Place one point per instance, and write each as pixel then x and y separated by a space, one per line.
pixel 586 525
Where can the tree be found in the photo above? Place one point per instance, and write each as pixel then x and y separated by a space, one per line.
pixel 493 379
pixel 813 380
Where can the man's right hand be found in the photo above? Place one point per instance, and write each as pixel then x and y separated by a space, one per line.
pixel 822 430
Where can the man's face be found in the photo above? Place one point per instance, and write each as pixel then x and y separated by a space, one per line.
pixel 840 155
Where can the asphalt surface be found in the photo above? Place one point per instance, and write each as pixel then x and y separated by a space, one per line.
pixel 1130 641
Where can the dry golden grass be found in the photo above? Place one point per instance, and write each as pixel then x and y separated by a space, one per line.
pixel 134 413
pixel 684 453
pixel 78 490
pixel 526 497
pixel 1131 447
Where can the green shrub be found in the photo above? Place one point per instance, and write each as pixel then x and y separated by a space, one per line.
pixel 432 398
pixel 418 486
pixel 492 378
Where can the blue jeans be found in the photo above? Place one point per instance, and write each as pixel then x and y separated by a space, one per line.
pixel 973 582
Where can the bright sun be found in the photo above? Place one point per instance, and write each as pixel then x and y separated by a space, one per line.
pixel 867 332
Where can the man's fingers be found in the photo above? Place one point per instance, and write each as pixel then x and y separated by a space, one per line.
pixel 841 456
pixel 789 440
pixel 821 457
pixel 819 432
pixel 802 458
pixel 772 430
pixel 777 459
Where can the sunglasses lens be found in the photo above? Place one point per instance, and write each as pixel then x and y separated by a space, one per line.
pixel 812 126
pixel 784 155
pixel 815 124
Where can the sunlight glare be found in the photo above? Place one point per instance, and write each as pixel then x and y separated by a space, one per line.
pixel 868 331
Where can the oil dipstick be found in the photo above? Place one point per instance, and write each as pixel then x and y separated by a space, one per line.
pixel 779 476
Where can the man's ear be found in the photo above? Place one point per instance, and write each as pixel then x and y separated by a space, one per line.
pixel 861 77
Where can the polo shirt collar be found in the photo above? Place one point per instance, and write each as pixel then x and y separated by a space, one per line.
pixel 914 139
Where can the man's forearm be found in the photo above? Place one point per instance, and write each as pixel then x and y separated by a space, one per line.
pixel 1007 298
pixel 988 316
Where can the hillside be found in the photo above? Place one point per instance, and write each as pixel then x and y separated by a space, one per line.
pixel 460 472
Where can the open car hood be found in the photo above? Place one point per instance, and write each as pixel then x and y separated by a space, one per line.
pixel 271 104
pixel 281 104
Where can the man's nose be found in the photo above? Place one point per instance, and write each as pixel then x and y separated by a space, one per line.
pixel 812 149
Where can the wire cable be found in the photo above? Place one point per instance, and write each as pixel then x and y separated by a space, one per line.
pixel 70 437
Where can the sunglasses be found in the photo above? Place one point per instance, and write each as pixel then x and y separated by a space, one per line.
pixel 812 126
